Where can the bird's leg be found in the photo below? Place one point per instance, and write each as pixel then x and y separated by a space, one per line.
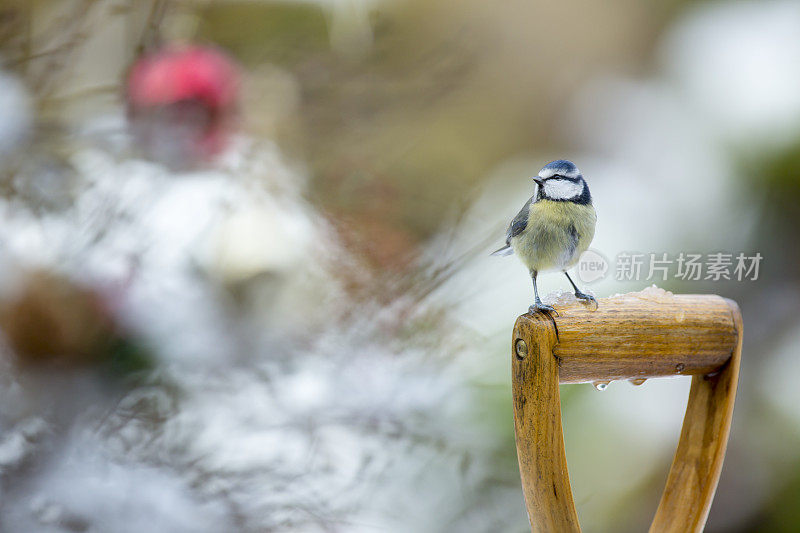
pixel 578 294
pixel 538 305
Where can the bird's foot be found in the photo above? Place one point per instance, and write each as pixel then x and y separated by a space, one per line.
pixel 586 298
pixel 540 307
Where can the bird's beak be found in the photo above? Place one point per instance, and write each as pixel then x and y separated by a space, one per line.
pixel 539 181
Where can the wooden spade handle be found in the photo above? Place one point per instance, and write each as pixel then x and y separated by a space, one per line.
pixel 634 336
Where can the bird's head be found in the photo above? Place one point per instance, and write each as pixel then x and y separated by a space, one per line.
pixel 561 181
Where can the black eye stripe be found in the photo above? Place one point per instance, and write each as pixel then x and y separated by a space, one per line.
pixel 560 177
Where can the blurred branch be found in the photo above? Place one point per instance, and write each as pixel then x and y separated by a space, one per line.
pixel 151 37
pixel 66 34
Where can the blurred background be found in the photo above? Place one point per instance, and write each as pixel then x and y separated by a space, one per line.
pixel 244 271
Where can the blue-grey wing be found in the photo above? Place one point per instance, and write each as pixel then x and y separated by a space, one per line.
pixel 519 223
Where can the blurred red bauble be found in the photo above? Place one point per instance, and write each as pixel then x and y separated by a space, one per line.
pixel 182 103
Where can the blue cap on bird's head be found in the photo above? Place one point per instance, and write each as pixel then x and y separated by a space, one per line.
pixel 560 180
pixel 559 167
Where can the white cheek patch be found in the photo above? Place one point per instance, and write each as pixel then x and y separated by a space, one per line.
pixel 562 189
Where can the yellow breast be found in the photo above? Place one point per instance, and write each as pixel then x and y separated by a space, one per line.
pixel 556 235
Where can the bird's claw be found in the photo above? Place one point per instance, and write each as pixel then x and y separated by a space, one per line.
pixel 586 298
pixel 540 307
pixel 583 296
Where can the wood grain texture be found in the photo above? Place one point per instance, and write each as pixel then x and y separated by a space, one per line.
pixel 537 426
pixel 646 334
pixel 695 471
pixel 638 335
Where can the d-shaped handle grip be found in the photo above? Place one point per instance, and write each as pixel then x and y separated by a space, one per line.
pixel 634 336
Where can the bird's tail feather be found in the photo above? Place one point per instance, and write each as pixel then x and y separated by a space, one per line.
pixel 505 250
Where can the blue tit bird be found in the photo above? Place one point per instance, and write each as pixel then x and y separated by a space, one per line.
pixel 554 227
